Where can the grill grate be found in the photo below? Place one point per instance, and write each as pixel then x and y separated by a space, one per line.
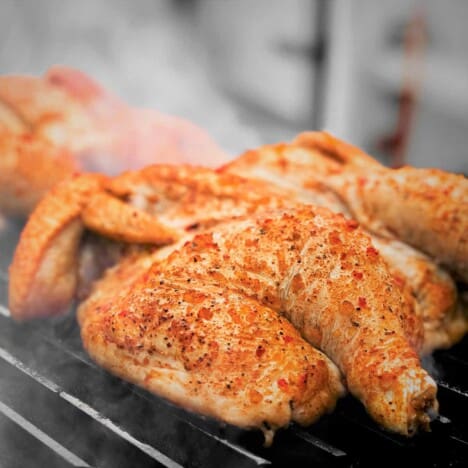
pixel 57 408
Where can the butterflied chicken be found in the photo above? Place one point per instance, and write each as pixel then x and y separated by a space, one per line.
pixel 316 269
pixel 206 348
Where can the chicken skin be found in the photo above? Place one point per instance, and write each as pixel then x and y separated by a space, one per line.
pixel 305 264
pixel 426 208
pixel 206 348
pixel 435 294
pixel 42 275
pixel 155 206
pixel 29 167
pixel 194 238
pixel 308 166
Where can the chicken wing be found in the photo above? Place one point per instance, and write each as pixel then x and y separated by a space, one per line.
pixel 43 272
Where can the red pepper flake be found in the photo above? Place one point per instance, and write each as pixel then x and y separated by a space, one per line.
pixel 357 274
pixel 205 313
pixel 283 384
pixel 351 224
pixel 204 241
pixel 399 281
pixel 372 252
pixel 362 302
pixel 447 190
pixel 334 237
pixel 260 351
pixel 362 181
pixel 287 338
pixel 194 297
pixel 123 313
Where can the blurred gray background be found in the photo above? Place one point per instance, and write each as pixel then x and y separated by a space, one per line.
pixel 391 77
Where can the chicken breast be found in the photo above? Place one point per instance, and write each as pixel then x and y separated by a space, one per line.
pixel 306 264
pixel 206 348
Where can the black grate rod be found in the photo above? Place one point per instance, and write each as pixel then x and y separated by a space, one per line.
pixel 59 449
pixel 319 443
pixel 255 458
pixel 84 407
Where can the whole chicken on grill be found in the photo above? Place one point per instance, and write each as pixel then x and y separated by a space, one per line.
pixel 321 272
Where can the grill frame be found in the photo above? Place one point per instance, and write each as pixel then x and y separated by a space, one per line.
pixel 57 405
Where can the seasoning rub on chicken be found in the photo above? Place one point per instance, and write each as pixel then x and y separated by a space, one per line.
pixel 246 263
pixel 207 348
pixel 305 264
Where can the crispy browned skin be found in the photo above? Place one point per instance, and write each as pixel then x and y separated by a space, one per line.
pixel 205 348
pixel 292 167
pixel 118 220
pixel 306 168
pixel 141 206
pixel 190 198
pixel 426 208
pixel 157 206
pixel 360 279
pixel 42 277
pixel 433 289
pixel 318 270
